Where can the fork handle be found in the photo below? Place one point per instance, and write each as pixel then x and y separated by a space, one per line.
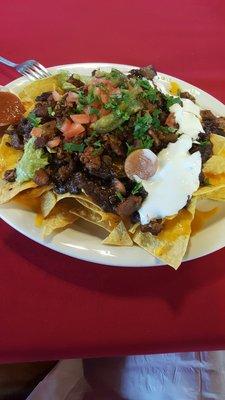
pixel 7 62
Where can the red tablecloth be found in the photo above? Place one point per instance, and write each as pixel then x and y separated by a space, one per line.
pixel 53 306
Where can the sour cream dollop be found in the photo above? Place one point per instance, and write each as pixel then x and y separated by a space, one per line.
pixel 188 118
pixel 176 179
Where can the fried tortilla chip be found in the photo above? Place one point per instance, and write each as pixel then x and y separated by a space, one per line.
pixel 106 221
pixel 30 199
pixel 8 190
pixel 214 168
pixel 218 144
pixel 59 218
pixel 133 228
pixel 34 89
pixel 217 194
pixel 206 191
pixel 200 218
pixel 171 244
pixel 8 155
pixel 119 236
pixel 48 202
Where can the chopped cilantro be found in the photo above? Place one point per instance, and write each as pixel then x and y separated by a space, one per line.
pixel 129 148
pixel 144 83
pixel 168 129
pixel 80 108
pixel 120 196
pixel 142 125
pixel 170 101
pixel 150 93
pixel 121 114
pixel 137 187
pixel 155 118
pixel 98 148
pixel 86 99
pixel 51 112
pixel 113 102
pixel 35 121
pixel 94 111
pixel 71 147
pixel 147 142
pixel 204 143
pixel 206 182
pixel 97 144
pixel 141 128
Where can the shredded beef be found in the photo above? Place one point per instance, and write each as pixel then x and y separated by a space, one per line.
pixel 146 72
pixel 211 124
pixel 91 160
pixel 205 150
pixel 187 95
pixel 161 139
pixel 16 141
pixel 76 82
pixel 40 142
pixel 154 227
pixel 41 111
pixel 43 97
pixel 221 123
pixel 115 144
pixel 65 171
pixel 41 177
pixel 102 195
pixel 129 205
pixel 20 133
pixel 10 175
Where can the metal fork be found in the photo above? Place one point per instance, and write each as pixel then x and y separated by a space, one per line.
pixel 30 68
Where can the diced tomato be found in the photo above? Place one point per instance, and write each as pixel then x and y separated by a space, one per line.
pixel 54 142
pixel 71 97
pixel 103 112
pixel 56 96
pixel 97 91
pixel 74 131
pixel 66 125
pixel 37 132
pixel 80 118
pixel 104 97
pixel 115 90
pixel 93 118
pixel 170 120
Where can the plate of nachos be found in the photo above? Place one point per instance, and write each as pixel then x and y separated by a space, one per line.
pixel 114 164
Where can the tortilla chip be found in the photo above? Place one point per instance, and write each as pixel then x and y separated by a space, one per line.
pixel 86 201
pixel 106 221
pixel 37 192
pixel 38 220
pixel 119 236
pixel 48 202
pixel 8 155
pixel 59 218
pixel 171 244
pixel 218 144
pixel 206 191
pixel 8 190
pixel 217 194
pixel 34 89
pixel 200 218
pixel 133 228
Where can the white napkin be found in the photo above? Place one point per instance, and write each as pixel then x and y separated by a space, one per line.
pixel 176 376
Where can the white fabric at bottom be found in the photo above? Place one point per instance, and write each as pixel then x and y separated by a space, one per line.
pixel 177 376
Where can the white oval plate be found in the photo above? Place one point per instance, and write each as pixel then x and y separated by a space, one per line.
pixel 83 240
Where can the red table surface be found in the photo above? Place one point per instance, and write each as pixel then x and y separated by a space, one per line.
pixel 53 306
